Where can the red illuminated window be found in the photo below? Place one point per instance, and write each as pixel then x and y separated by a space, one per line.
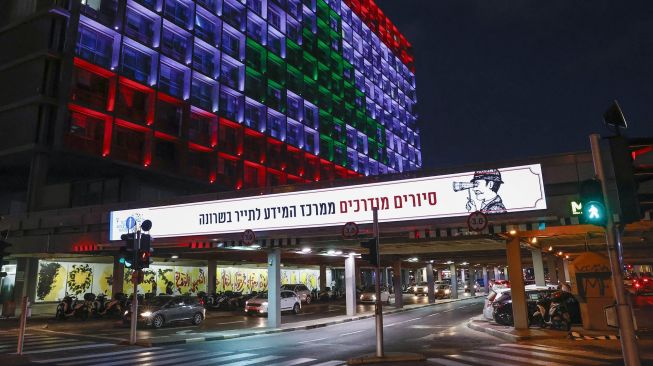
pixel 254 176
pixel 86 133
pixel 128 145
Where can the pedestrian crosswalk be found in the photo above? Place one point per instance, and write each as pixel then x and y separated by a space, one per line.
pixel 162 356
pixel 524 354
pixel 40 343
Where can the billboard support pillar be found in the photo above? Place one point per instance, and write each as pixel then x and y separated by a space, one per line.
pixel 517 290
pixel 350 285
pixel 430 282
pixel 274 288
pixel 538 266
pixel 454 281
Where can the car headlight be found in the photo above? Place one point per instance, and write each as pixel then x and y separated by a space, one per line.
pixel 362 297
pixel 146 314
pixel 447 291
pixel 265 303
pixel 373 297
pixel 246 303
pixel 126 312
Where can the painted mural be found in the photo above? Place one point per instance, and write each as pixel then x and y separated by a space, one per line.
pixel 246 280
pixel 172 280
pixel 56 279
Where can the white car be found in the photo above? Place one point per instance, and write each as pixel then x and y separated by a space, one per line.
pixel 369 295
pixel 421 289
pixel 496 292
pixel 259 304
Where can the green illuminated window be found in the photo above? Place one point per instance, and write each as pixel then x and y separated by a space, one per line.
pixel 256 55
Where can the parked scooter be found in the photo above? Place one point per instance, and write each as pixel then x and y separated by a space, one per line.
pixel 114 308
pixel 70 306
pixel 552 314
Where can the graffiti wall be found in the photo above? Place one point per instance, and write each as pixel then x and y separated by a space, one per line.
pixel 174 280
pixel 246 280
pixel 56 279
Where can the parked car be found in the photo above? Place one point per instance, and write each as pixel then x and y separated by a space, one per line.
pixel 369 295
pixel 499 284
pixel 160 310
pixel 643 285
pixel 489 300
pixel 502 305
pixel 258 304
pixel 421 289
pixel 301 290
pixel 442 291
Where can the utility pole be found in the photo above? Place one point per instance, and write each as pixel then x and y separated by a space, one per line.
pixel 135 277
pixel 624 312
pixel 377 285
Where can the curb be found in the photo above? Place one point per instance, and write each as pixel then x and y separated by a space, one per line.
pixel 148 343
pixel 579 337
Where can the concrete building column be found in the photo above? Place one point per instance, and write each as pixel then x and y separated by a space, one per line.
pixel 323 277
pixel 117 276
pixel 517 291
pixel 486 282
pixel 274 288
pixel 350 285
pixel 430 282
pixel 505 273
pixel 210 276
pixel 553 270
pixel 565 267
pixel 497 275
pixel 438 272
pixel 397 283
pixel 25 285
pixel 462 275
pixel 454 281
pixel 538 267
pixel 472 281
pixel 405 275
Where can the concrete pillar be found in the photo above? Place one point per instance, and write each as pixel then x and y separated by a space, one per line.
pixel 358 274
pixel 438 272
pixel 274 288
pixel 454 282
pixel 505 273
pixel 430 282
pixel 472 280
pixel 517 291
pixel 405 275
pixel 323 277
pixel 117 277
pixel 462 275
pixel 350 285
pixel 396 283
pixel 424 274
pixel 25 285
pixel 486 282
pixel 565 266
pixel 497 274
pixel 553 271
pixel 211 283
pixel 538 267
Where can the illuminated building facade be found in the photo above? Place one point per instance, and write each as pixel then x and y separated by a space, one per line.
pixel 239 94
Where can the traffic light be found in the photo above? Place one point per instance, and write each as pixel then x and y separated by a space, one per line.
pixel 373 256
pixel 591 198
pixel 627 205
pixel 127 251
pixel 143 259
pixel 3 247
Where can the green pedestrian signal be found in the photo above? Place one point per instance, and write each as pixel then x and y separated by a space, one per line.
pixel 593 206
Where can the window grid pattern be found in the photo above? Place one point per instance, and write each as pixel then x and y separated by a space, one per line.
pixel 228 84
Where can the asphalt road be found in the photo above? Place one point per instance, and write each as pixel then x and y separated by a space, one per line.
pixel 438 332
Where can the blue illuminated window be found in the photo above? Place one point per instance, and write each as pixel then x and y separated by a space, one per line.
pixel 207 28
pixel 276 125
pixel 94 46
pixel 294 133
pixel 139 27
pixel 202 94
pixel 179 12
pixel 232 73
pixel 255 114
pixel 231 104
pixel 171 80
pixel 136 64
pixel 233 43
pixel 233 12
pixel 175 45
pixel 206 61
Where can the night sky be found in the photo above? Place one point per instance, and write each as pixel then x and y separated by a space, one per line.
pixel 506 79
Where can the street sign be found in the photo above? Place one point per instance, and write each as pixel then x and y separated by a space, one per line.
pixel 350 230
pixel 130 223
pixel 477 221
pixel 249 237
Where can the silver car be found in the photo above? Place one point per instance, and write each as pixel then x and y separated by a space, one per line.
pixel 300 289
pixel 160 310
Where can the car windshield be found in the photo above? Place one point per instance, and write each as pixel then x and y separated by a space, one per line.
pixel 158 301
pixel 443 287
pixel 423 284
pixel 262 295
pixel 287 287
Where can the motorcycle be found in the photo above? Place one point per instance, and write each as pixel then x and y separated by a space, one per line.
pixel 552 314
pixel 114 308
pixel 70 306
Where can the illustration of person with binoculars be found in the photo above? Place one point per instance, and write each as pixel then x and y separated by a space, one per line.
pixel 485 184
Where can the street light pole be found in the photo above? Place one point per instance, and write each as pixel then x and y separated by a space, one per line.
pixel 135 277
pixel 624 312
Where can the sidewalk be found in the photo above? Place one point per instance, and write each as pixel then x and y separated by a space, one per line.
pixel 303 325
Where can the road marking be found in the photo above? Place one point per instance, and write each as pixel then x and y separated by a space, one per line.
pixel 434 314
pixel 253 361
pixel 95 345
pixel 95 355
pixel 124 357
pixel 562 351
pixel 186 359
pixel 481 361
pixel 142 358
pixel 330 363
pixel 530 353
pixel 525 360
pixel 292 362
pixel 305 313
pixel 234 322
pixel 216 361
pixel 349 333
pixel 252 349
pixel 314 340
pixel 402 322
pixel 446 362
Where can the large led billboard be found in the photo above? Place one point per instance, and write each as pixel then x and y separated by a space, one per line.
pixel 493 191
